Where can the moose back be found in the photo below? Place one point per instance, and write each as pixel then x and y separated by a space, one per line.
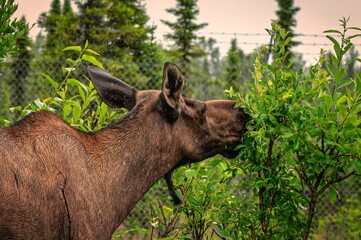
pixel 59 183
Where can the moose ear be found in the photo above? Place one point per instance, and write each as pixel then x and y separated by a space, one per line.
pixel 173 83
pixel 113 91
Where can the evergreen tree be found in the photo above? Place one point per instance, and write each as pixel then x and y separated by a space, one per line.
pixel 233 66
pixel 286 19
pixel 184 30
pixel 60 25
pixel 119 24
pixel 207 69
pixel 214 57
pixel 49 21
pixel 67 9
pixel 118 30
pixel 92 22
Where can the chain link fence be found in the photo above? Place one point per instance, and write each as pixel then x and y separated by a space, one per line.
pixel 22 81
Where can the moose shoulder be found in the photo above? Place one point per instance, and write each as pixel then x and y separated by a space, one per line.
pixel 59 183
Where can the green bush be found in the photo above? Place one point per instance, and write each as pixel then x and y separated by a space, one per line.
pixel 304 138
pixel 76 102
pixel 11 29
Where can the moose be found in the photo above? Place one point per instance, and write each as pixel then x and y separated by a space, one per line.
pixel 57 182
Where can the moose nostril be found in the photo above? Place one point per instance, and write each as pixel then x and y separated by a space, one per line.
pixel 244 117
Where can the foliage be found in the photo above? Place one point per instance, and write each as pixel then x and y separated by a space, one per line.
pixel 11 29
pixel 287 21
pixel 304 138
pixel 233 68
pixel 184 31
pixel 343 219
pixel 60 25
pixel 206 189
pixel 73 100
pixel 119 23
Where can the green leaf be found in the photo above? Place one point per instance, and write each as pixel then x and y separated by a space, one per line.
pixel 341 100
pixel 339 74
pixel 329 101
pixel 51 81
pixel 215 162
pixel 92 60
pixel 344 83
pixel 358 162
pixel 336 46
pixel 76 111
pixel 67 69
pixel 273 119
pixel 296 144
pixel 72 48
pixel 39 103
pixel 348 46
pixel 86 44
pixel 332 195
pixel 343 111
pixel 287 135
pixel 190 173
pixel 66 110
pixel 92 52
pixel 354 28
pixel 71 61
pixel 332 31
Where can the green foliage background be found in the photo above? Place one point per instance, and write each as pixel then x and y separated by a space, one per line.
pixel 301 150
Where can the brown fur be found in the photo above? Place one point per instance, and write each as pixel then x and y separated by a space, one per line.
pixel 59 183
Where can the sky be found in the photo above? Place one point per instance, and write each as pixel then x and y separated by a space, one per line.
pixel 245 20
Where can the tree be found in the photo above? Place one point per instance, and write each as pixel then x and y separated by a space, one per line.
pixel 60 25
pixel 184 31
pixel 121 24
pixel 67 9
pixel 49 21
pixel 233 71
pixel 118 30
pixel 286 20
pixel 10 30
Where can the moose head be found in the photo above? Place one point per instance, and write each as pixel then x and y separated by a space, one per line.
pixel 200 129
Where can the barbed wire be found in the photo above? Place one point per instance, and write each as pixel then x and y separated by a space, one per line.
pixel 303 39
pixel 297 35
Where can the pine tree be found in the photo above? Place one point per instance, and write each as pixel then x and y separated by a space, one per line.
pixel 286 19
pixel 233 69
pixel 49 21
pixel 60 25
pixel 119 24
pixel 184 30
pixel 67 9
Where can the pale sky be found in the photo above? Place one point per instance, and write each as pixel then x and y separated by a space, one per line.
pixel 241 19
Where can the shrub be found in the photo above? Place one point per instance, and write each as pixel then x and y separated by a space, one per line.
pixel 304 138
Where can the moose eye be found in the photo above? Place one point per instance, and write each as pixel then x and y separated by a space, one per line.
pixel 203 110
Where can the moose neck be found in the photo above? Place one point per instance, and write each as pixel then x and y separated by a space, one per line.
pixel 136 153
